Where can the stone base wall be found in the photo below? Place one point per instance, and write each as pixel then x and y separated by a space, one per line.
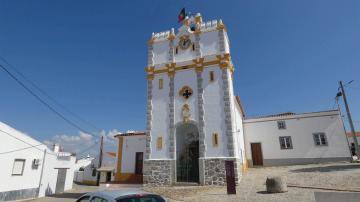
pixel 214 171
pixel 18 194
pixel 157 172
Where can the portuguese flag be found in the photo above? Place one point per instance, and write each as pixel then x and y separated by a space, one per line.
pixel 182 15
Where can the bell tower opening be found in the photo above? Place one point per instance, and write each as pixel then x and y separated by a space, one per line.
pixel 187 153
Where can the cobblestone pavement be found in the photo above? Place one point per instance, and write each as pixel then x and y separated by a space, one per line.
pixel 344 176
pixel 252 186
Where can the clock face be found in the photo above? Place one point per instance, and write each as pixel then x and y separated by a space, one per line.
pixel 185 43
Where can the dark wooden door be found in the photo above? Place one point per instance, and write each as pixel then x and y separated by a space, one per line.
pixel 139 162
pixel 108 176
pixel 256 153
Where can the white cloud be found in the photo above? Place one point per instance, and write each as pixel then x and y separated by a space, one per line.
pixel 83 141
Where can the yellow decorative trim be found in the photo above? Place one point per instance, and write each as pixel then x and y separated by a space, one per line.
pixel 224 65
pixel 170 68
pixel 198 19
pixel 215 139
pixel 224 61
pixel 88 182
pixel 198 64
pixel 159 143
pixel 171 37
pixel 220 26
pixel 199 60
pixel 150 77
pixel 150 69
pixel 119 162
pixel 199 69
pixel 232 69
pixel 197 31
pixel 151 41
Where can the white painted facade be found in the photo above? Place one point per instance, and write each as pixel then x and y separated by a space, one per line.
pixel 84 171
pixel 185 60
pixel 300 127
pixel 213 91
pixel 132 144
pixel 215 111
pixel 17 145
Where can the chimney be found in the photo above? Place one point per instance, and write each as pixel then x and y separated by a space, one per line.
pixel 56 148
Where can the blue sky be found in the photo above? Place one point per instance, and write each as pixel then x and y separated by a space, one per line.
pixel 90 56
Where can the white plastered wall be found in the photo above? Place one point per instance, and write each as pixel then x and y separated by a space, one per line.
pixel 209 43
pixel 31 176
pixel 161 52
pixel 301 129
pixel 214 114
pixel 181 79
pixel 131 145
pixel 160 116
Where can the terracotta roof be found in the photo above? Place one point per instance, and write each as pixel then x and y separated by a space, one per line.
pixel 349 134
pixel 112 154
pixel 130 134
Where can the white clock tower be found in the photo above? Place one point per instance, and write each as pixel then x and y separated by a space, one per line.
pixel 194 121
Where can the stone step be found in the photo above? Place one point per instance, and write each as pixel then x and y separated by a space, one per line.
pixel 187 184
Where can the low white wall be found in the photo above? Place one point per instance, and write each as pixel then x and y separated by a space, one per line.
pixel 301 129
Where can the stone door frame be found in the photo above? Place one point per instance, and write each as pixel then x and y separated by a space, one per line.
pixel 177 125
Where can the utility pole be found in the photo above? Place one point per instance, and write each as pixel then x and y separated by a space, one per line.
pixel 350 119
pixel 100 160
pixel 347 139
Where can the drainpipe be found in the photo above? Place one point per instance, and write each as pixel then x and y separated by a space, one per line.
pixel 41 175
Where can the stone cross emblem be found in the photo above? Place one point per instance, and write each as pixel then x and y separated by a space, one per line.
pixel 186 92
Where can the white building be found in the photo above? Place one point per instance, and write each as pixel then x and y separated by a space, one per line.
pixel 86 169
pixel 29 169
pixel 287 139
pixel 194 121
pixel 130 155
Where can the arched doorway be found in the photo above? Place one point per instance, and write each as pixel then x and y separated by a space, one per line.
pixel 187 153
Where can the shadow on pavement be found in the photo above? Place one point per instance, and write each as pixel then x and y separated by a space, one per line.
pixel 328 168
pixel 67 195
pixel 263 192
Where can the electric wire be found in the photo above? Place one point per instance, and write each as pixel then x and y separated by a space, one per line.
pixel 86 149
pixel 34 146
pixel 48 96
pixel 16 150
pixel 45 103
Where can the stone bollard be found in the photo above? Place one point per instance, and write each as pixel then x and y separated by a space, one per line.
pixel 276 184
